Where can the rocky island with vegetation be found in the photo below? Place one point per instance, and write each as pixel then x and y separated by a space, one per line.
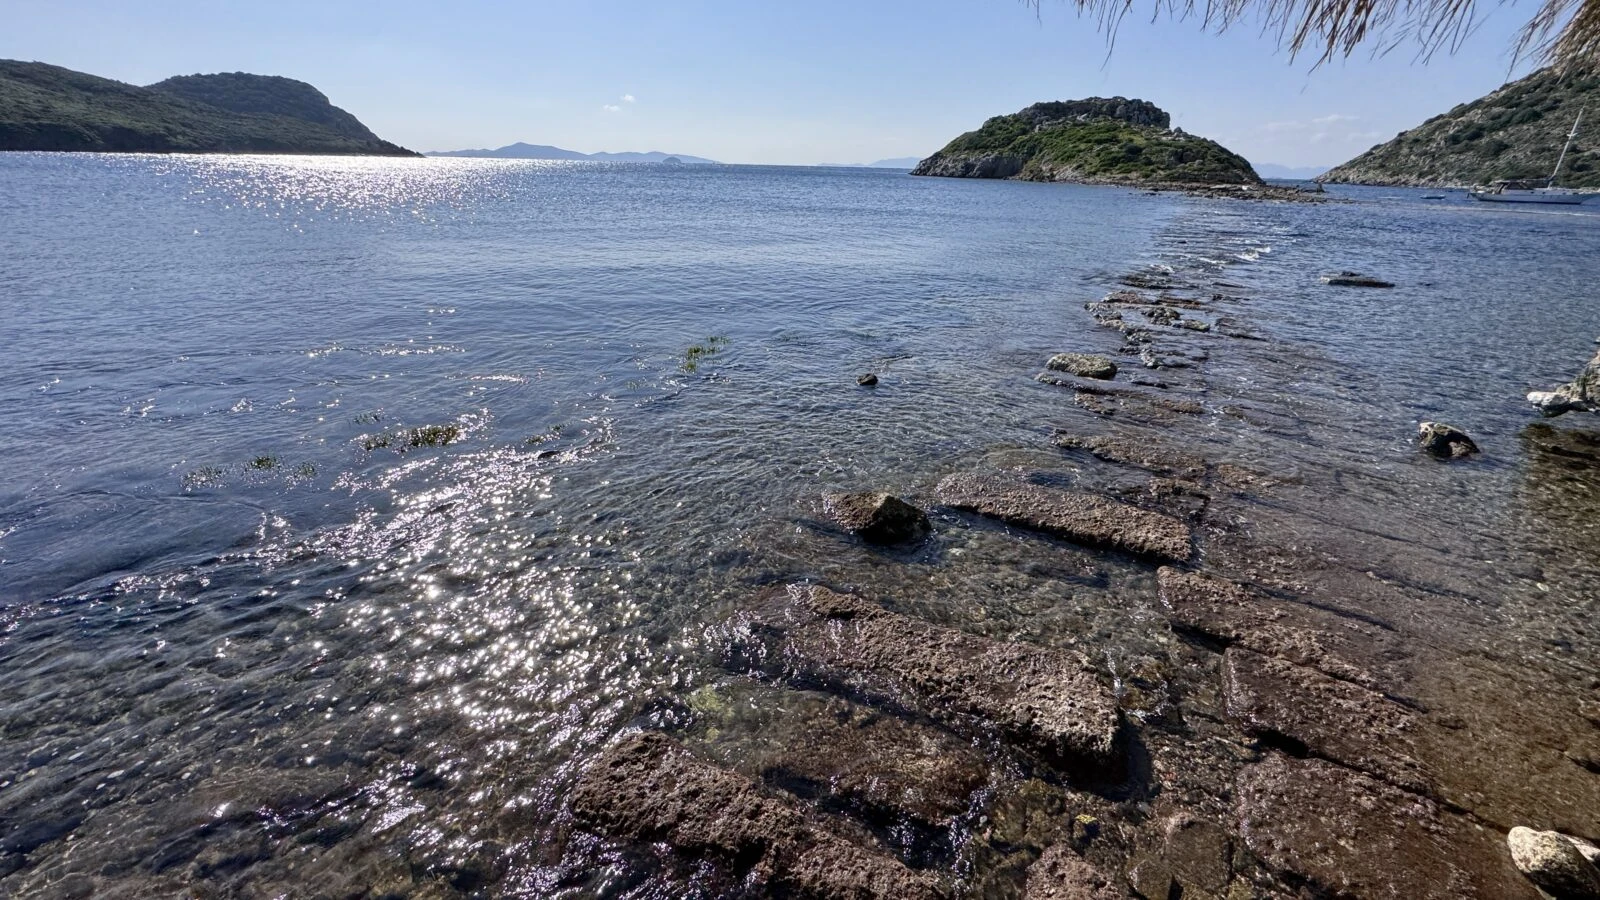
pixel 1096 141
pixel 45 107
pixel 1513 133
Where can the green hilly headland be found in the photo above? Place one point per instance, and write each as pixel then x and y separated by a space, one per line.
pixel 1515 132
pixel 45 107
pixel 1097 140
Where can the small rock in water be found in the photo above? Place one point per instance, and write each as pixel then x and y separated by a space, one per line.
pixel 877 518
pixel 1554 863
pixel 1445 441
pixel 867 380
pixel 1084 365
pixel 1355 279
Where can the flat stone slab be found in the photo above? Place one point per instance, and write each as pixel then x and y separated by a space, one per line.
pixel 649 789
pixel 1331 719
pixel 1140 453
pixel 1044 700
pixel 1347 834
pixel 1232 614
pixel 876 766
pixel 1084 518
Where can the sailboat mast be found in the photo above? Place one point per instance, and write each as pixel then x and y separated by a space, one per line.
pixel 1565 147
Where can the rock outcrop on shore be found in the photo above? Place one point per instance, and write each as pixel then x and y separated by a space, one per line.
pixel 45 107
pixel 1515 132
pixel 1581 394
pixel 1098 140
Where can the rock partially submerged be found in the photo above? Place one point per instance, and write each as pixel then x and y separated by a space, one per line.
pixel 1355 279
pixel 1061 874
pixel 1085 518
pixel 904 777
pixel 1581 394
pixel 1554 863
pixel 867 380
pixel 1083 365
pixel 1141 453
pixel 1046 701
pixel 649 789
pixel 877 518
pixel 1445 441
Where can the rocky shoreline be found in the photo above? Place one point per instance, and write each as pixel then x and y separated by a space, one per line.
pixel 1310 731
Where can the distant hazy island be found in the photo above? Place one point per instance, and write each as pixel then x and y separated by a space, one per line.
pixel 1097 140
pixel 1515 132
pixel 899 162
pixel 45 107
pixel 520 150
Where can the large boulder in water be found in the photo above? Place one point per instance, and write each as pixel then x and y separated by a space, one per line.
pixel 1445 441
pixel 877 518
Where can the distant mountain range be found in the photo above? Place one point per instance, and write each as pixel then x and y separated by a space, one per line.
pixel 1296 173
pixel 521 150
pixel 45 107
pixel 899 162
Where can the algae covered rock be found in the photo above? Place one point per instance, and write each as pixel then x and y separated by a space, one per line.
pixel 1083 365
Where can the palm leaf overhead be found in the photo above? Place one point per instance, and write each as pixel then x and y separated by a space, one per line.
pixel 1564 34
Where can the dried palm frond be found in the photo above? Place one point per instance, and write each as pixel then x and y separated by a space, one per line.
pixel 1564 34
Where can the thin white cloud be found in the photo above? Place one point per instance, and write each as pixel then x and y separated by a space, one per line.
pixel 611 108
pixel 1320 124
pixel 629 98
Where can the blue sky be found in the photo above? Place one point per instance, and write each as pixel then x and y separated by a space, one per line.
pixel 760 82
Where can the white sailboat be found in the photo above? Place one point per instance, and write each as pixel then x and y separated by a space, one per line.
pixel 1525 192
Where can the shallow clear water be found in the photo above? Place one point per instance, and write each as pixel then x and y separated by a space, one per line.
pixel 371 497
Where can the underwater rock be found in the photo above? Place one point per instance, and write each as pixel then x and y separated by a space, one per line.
pixel 1061 874
pixel 1198 854
pixel 877 518
pixel 1138 452
pixel 1043 700
pixel 1445 441
pixel 1355 279
pixel 649 789
pixel 876 766
pixel 1554 863
pixel 1085 518
pixel 1084 365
